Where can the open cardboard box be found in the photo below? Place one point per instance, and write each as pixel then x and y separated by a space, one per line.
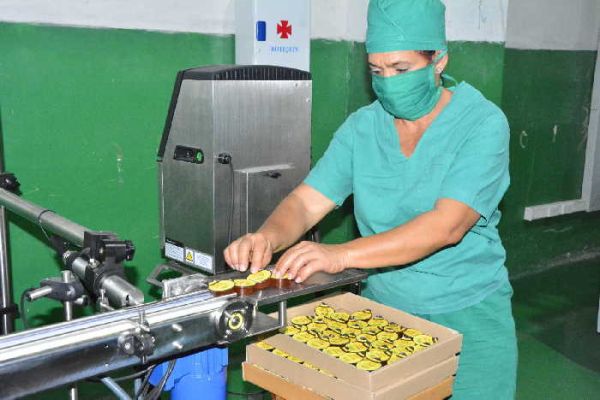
pixel 412 374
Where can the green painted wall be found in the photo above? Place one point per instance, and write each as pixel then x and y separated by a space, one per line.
pixel 82 112
pixel 544 90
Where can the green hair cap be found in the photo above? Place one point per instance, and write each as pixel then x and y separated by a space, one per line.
pixel 406 25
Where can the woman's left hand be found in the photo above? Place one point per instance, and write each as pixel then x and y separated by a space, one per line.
pixel 306 258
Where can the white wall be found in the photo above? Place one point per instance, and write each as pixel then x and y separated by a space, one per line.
pixel 527 24
pixel 553 24
pixel 204 16
pixel 468 20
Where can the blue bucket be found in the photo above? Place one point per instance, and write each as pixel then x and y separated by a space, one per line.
pixel 201 375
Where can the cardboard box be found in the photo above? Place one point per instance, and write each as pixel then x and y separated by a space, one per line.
pixel 344 390
pixel 285 390
pixel 399 380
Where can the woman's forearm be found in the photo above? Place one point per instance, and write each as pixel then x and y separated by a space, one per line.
pixel 415 240
pixel 295 215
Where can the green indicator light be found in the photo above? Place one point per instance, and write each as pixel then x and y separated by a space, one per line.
pixel 199 157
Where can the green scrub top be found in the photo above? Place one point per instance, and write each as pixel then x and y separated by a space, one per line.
pixel 463 155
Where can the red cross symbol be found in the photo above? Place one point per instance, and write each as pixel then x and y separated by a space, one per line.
pixel 284 29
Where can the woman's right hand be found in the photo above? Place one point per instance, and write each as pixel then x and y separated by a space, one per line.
pixel 252 249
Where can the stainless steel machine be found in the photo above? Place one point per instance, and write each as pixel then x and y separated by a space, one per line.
pixel 236 141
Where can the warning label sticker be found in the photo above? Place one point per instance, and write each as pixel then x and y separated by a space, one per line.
pixel 203 260
pixel 174 252
pixel 189 255
pixel 198 259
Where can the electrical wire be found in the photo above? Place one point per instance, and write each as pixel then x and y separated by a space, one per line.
pixel 39 221
pixel 123 378
pixel 131 376
pixel 155 393
pixel 144 385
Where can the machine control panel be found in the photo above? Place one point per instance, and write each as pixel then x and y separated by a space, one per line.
pixel 189 154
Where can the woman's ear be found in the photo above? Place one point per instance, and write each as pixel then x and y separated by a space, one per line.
pixel 441 64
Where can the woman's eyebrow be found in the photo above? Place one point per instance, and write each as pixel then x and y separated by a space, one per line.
pixel 394 65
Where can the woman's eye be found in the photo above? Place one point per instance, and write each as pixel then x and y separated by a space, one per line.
pixel 401 70
pixel 375 72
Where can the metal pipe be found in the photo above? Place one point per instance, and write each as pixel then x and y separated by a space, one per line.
pixel 73 395
pixel 67 277
pixel 115 388
pixel 137 385
pixel 121 293
pixel 36 294
pixel 49 220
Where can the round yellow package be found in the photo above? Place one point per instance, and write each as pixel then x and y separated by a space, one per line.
pixel 355 347
pixel 324 310
pixel 290 330
pixel 365 338
pixel 357 324
pixel 411 333
pixel 280 353
pixel 378 321
pixel 303 337
pixel 334 351
pixel 301 320
pixel 339 341
pixel 388 336
pixel 317 343
pixel 340 316
pixel 368 365
pixel 351 358
pixel 265 346
pixel 377 355
pixel 363 315
pixel 423 340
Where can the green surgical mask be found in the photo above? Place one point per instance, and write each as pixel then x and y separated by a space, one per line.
pixel 410 95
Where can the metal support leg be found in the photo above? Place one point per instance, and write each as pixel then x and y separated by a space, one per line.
pixel 5 282
pixel 67 276
pixel 115 388
pixel 282 313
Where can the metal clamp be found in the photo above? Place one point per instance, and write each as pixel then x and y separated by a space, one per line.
pixel 172 266
pixel 140 341
pixel 9 182
pixel 10 310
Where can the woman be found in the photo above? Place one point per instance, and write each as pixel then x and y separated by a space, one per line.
pixel 427 167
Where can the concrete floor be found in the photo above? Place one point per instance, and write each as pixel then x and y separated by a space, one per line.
pixel 559 349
